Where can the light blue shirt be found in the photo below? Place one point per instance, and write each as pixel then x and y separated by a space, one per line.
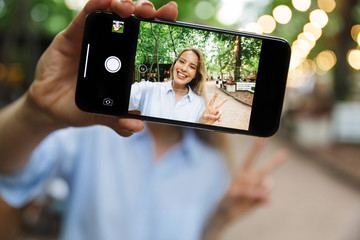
pixel 117 191
pixel 157 99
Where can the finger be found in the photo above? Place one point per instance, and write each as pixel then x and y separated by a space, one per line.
pixel 221 103
pixel 168 12
pixel 254 152
pixel 124 8
pixel 268 184
pixel 124 133
pixel 263 188
pixel 218 115
pixel 123 126
pixel 280 157
pixel 132 125
pixel 212 101
pixel 144 9
pixel 212 117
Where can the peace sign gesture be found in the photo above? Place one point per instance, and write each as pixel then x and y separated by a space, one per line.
pixel 212 113
pixel 249 189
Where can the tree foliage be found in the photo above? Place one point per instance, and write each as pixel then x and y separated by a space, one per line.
pixel 162 43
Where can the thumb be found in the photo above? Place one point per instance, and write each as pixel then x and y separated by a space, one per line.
pixel 123 126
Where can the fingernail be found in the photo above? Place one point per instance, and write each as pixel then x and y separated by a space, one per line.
pixel 173 3
pixel 139 126
pixel 147 4
pixel 129 3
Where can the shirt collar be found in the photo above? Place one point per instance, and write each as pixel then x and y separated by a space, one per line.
pixel 168 88
pixel 187 147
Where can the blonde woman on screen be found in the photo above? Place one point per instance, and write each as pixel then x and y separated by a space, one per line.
pixel 183 97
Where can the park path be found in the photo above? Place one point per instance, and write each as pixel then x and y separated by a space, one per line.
pixel 308 202
pixel 234 113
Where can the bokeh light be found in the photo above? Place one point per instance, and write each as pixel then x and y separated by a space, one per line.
pixel 298 52
pixel 282 14
pixel 253 27
pixel 301 5
pixel 204 10
pixel 358 39
pixel 55 23
pixel 299 49
pixel 326 5
pixel 230 11
pixel 2 8
pixel 302 74
pixel 355 31
pixel 267 23
pixel 304 45
pixel 315 31
pixel 308 37
pixel 295 61
pixel 75 4
pixel 39 12
pixel 325 60
pixel 3 72
pixel 319 18
pixel 16 73
pixel 353 58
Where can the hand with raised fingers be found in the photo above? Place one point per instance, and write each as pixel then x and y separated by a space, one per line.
pixel 249 189
pixel 212 113
pixel 52 94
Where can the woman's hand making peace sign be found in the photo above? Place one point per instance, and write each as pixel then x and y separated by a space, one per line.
pixel 212 113
pixel 249 189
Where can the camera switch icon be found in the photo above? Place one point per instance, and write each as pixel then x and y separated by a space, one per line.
pixel 108 102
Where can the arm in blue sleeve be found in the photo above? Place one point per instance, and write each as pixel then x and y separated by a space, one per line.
pixel 19 188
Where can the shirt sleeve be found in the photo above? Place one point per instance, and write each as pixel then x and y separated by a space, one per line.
pixel 135 97
pixel 20 187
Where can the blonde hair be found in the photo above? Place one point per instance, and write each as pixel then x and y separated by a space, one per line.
pixel 198 83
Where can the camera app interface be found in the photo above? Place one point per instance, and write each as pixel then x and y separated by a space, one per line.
pixel 193 75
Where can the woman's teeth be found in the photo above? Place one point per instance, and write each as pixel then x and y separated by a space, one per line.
pixel 181 75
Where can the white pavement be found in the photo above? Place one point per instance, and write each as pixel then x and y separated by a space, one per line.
pixel 309 202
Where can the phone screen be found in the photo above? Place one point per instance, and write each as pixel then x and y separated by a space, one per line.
pixel 193 75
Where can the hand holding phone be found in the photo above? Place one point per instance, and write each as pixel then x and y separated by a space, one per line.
pixel 167 71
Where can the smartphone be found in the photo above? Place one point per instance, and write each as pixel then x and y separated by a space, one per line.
pixel 182 74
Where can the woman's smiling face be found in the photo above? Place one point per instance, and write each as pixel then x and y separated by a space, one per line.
pixel 185 68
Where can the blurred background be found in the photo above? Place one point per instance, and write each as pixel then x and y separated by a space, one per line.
pixel 317 193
